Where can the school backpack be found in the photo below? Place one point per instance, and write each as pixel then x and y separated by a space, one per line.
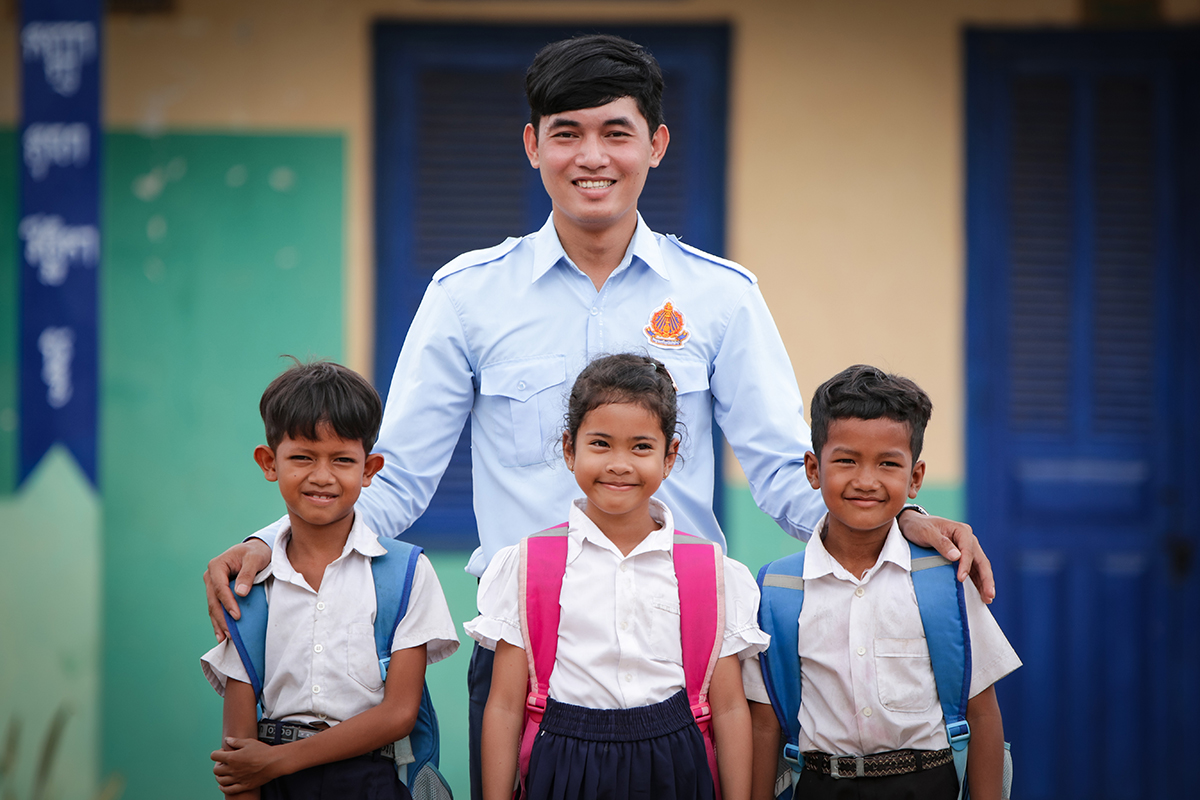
pixel 944 617
pixel 700 572
pixel 393 575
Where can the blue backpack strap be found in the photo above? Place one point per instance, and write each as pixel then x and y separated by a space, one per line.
pixel 781 583
pixel 249 634
pixel 943 609
pixel 393 574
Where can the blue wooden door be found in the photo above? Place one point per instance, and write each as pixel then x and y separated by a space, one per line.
pixel 1083 359
pixel 451 174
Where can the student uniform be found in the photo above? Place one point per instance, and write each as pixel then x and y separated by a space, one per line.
pixel 321 665
pixel 617 709
pixel 868 684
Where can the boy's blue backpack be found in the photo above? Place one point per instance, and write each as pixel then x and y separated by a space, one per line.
pixel 393 574
pixel 944 617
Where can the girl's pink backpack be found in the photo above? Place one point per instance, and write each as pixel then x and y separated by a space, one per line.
pixel 699 569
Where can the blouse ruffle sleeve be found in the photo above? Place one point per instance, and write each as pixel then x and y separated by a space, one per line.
pixel 499 612
pixel 743 637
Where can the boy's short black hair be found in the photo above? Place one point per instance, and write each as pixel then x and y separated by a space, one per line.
pixel 306 395
pixel 590 71
pixel 864 392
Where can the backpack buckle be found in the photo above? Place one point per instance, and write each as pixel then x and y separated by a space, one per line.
pixel 959 733
pixel 791 754
pixel 702 712
pixel 383 666
pixel 535 702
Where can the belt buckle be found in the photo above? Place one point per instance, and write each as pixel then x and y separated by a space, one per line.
pixel 836 772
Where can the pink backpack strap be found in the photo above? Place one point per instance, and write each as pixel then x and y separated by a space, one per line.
pixel 700 573
pixel 543 565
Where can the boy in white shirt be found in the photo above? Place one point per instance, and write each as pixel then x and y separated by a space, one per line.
pixel 868 682
pixel 322 691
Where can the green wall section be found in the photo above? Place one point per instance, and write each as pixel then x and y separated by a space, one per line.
pixel 8 310
pixel 220 253
pixel 50 618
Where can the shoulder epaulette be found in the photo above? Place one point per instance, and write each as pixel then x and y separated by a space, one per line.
pixel 724 262
pixel 477 258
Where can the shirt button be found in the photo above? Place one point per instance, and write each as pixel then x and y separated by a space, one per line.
pixel 862 651
pixel 628 678
pixel 859 592
pixel 624 566
pixel 595 311
pixel 316 690
pixel 317 648
pixel 866 712
pixel 624 626
pixel 320 606
pixel 521 385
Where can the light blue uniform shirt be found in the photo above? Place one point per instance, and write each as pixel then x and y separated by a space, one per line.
pixel 501 335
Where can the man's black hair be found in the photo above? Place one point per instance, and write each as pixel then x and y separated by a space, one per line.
pixel 864 392
pixel 591 71
pixel 306 395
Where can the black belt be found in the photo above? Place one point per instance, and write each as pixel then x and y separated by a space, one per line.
pixel 275 732
pixel 877 765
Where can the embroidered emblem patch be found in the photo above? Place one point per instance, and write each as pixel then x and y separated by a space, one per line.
pixel 666 328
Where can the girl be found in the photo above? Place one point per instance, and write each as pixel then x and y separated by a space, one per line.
pixel 617 721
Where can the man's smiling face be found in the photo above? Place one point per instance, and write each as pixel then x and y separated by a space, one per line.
pixel 594 162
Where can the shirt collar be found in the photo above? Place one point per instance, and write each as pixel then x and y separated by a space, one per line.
pixel 818 562
pixel 548 250
pixel 580 529
pixel 360 539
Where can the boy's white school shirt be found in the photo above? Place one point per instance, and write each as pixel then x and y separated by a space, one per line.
pixel 321 664
pixel 868 684
pixel 619 636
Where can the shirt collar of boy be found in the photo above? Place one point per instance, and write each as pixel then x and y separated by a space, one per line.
pixel 548 250
pixel 361 539
pixel 818 562
pixel 580 529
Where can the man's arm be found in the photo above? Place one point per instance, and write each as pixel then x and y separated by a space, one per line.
pixel 504 721
pixel 246 763
pixel 758 406
pixel 430 398
pixel 766 751
pixel 956 542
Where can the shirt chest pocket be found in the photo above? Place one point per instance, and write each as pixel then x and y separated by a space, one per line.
pixel 362 664
pixel 660 623
pixel 904 673
pixel 532 390
pixel 689 376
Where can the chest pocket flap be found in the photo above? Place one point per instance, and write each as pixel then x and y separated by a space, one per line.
pixel 521 381
pixel 690 376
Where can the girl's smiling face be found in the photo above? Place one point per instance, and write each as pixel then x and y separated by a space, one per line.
pixel 620 457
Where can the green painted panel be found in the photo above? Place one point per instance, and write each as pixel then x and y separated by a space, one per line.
pixel 9 170
pixel 50 616
pixel 220 253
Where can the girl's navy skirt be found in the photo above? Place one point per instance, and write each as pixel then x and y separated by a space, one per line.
pixel 654 752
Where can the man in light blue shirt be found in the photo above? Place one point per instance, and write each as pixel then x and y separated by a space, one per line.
pixel 501 334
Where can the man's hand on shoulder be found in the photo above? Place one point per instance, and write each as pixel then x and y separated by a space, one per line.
pixel 244 560
pixel 956 542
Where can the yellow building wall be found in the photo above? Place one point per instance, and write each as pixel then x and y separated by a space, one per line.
pixel 845 164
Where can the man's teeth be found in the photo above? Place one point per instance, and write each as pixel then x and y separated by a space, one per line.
pixel 593 184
